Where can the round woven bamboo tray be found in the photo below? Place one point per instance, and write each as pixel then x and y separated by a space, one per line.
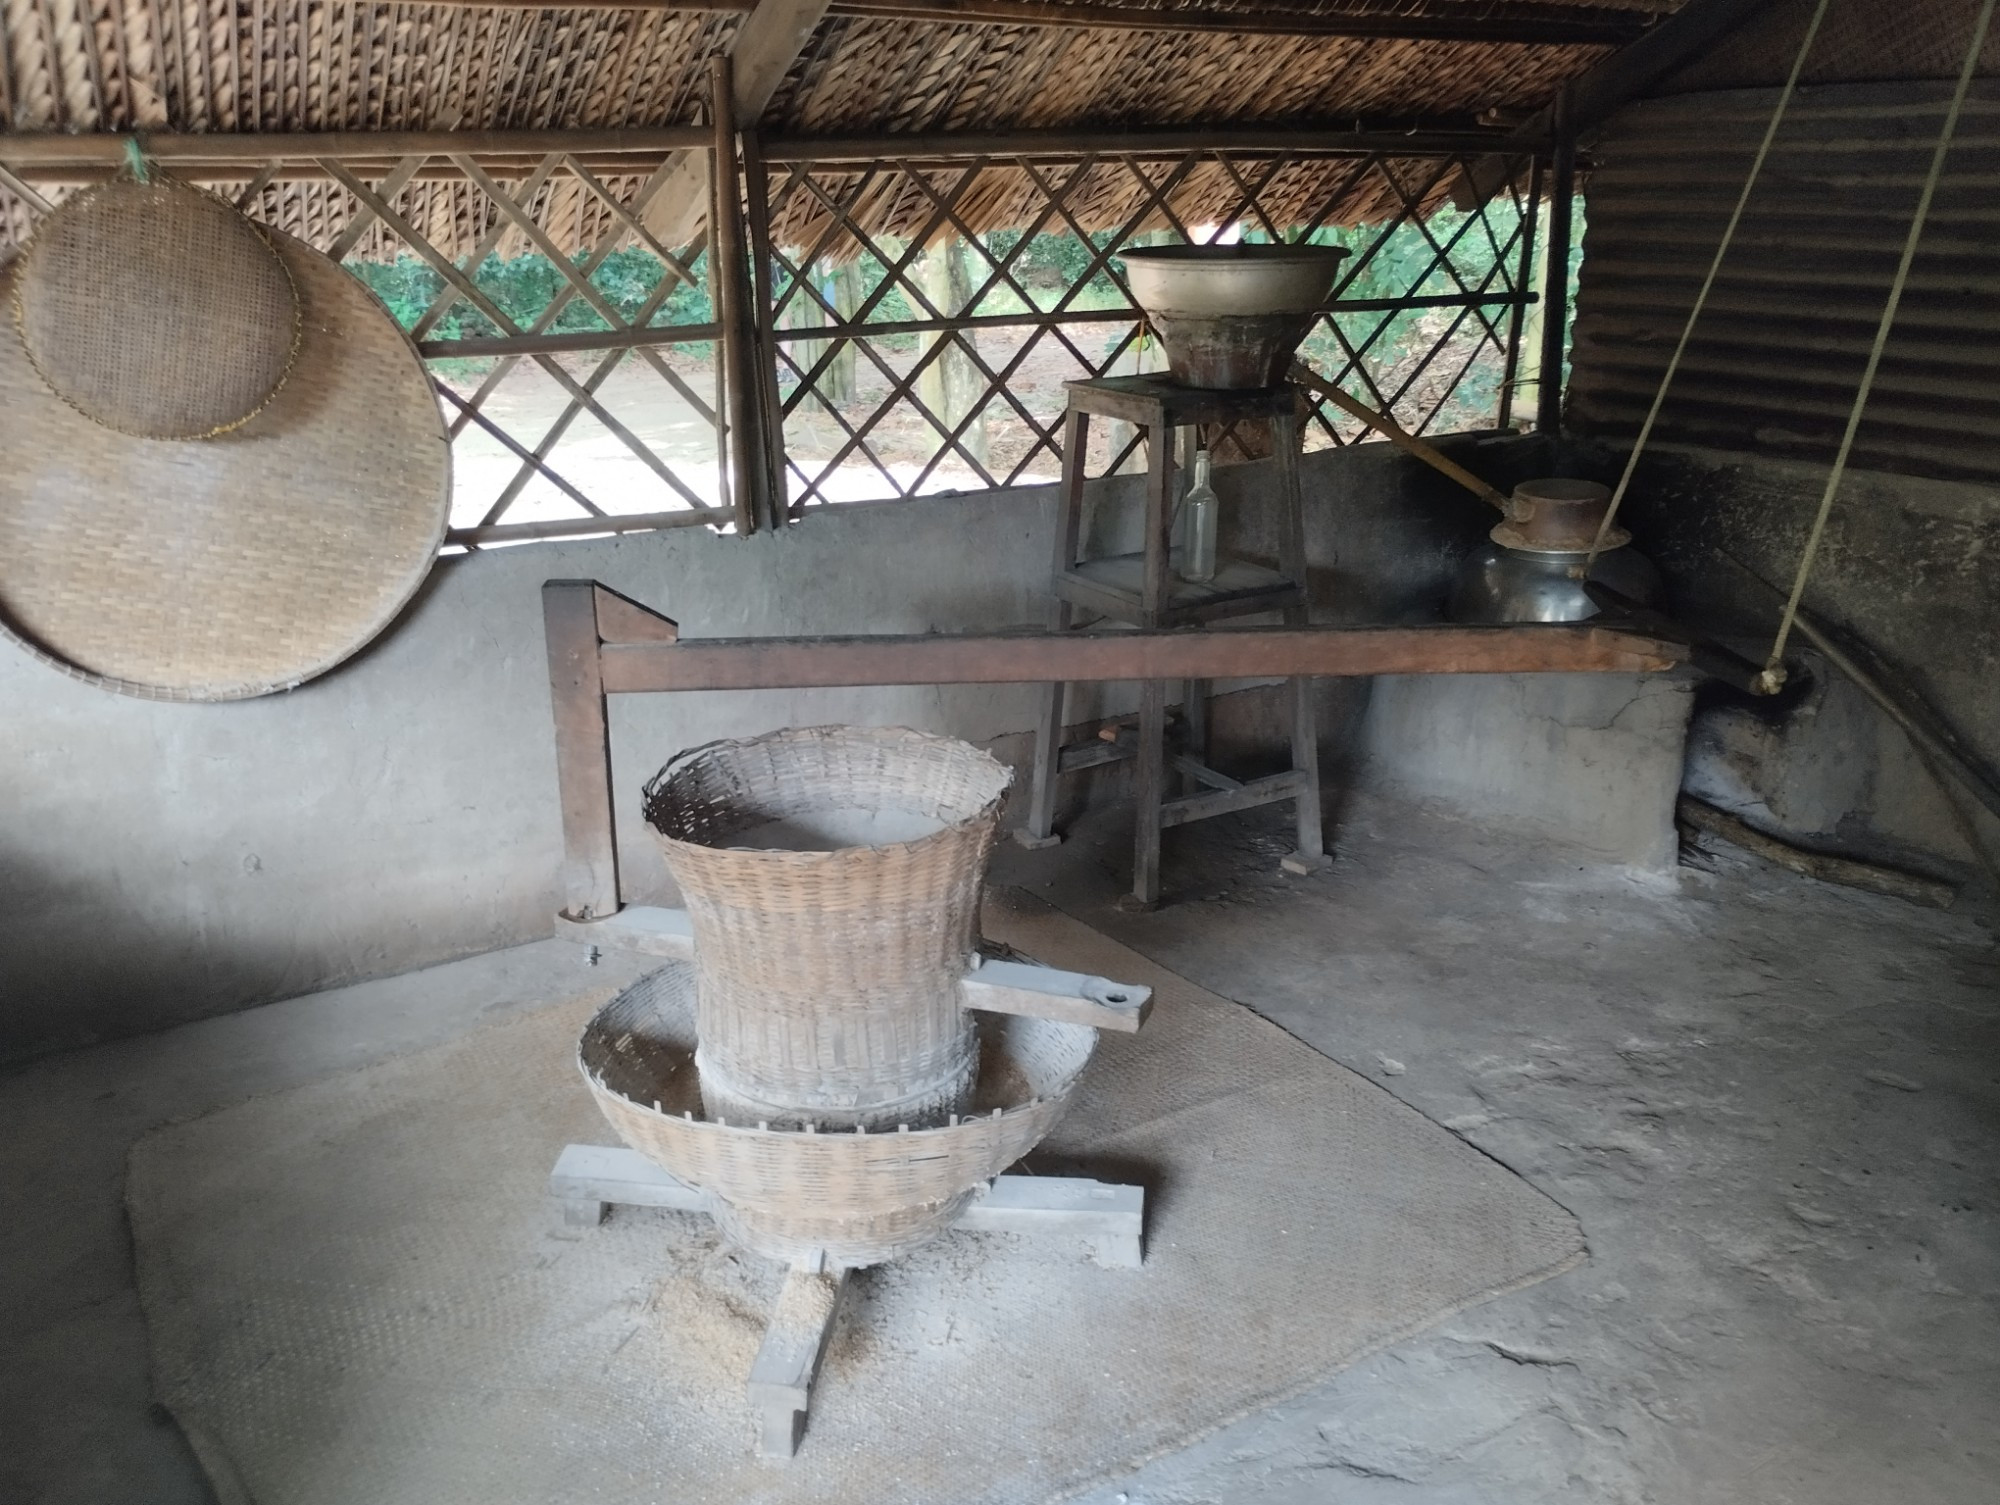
pixel 828 979
pixel 245 564
pixel 862 1198
pixel 157 310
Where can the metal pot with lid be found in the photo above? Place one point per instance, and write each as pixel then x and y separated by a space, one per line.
pixel 1525 572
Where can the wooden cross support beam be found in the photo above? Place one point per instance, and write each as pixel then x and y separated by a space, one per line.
pixel 601 643
pixel 589 1179
pixel 993 987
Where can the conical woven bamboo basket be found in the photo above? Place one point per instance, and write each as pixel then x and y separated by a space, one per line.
pixel 827 980
pixel 856 1198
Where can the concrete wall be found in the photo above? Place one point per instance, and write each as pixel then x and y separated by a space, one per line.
pixel 1591 760
pixel 1908 566
pixel 163 862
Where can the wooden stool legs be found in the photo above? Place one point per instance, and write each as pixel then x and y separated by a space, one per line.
pixel 1143 590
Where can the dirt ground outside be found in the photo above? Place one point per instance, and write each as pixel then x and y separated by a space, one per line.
pixel 898 452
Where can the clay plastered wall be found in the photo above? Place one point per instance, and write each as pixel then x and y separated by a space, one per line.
pixel 1909 566
pixel 165 862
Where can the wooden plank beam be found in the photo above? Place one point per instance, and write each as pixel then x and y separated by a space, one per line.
pixel 54 159
pixel 1601 91
pixel 992 986
pixel 1409 137
pixel 1582 26
pixel 254 148
pixel 1032 658
pixel 765 47
pixel 1606 28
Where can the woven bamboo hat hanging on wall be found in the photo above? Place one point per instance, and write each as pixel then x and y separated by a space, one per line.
pixel 243 563
pixel 156 309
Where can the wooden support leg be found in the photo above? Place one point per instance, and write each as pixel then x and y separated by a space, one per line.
pixel 781 1378
pixel 1194 710
pixel 583 749
pixel 1311 854
pixel 1039 831
pixel 1152 767
pixel 1040 828
pixel 1110 1219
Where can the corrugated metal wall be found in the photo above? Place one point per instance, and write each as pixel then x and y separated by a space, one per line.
pixel 1775 362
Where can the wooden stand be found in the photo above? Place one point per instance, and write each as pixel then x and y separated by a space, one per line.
pixel 590 1179
pixel 1143 589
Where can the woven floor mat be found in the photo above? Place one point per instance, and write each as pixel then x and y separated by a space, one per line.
pixel 355 1293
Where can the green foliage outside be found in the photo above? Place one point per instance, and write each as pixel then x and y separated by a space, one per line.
pixel 523 286
pixel 1050 265
pixel 1400 266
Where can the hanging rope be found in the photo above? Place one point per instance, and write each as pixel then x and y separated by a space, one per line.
pixel 1773 678
pixel 1582 572
pixel 135 161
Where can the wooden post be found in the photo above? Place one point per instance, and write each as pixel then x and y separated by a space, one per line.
pixel 773 493
pixel 1311 853
pixel 583 749
pixel 1149 792
pixel 1039 832
pixel 1555 283
pixel 1524 278
pixel 794 1347
pixel 729 276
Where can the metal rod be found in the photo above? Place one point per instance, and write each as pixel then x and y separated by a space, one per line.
pixel 1555 283
pixel 1031 657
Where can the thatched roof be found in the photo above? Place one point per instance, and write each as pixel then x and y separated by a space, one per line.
pixel 344 65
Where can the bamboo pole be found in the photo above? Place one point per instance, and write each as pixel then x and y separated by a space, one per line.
pixel 1397 435
pixel 580 527
pixel 728 276
pixel 180 148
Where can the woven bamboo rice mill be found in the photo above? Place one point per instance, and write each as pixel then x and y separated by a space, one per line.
pixel 829 1067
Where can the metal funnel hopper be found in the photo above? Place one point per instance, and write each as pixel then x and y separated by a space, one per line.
pixel 1231 316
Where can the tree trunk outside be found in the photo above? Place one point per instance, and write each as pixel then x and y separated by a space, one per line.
pixel 951 384
pixel 840 285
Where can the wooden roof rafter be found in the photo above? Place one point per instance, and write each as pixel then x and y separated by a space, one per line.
pixel 1528 25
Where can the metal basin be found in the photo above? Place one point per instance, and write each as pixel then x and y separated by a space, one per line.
pixel 1231 316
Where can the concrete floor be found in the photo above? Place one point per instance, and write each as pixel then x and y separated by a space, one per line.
pixel 1774 1105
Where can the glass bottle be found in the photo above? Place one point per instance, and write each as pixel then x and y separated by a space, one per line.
pixel 1200 505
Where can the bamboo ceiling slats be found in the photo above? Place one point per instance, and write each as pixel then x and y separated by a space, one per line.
pixel 235 66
